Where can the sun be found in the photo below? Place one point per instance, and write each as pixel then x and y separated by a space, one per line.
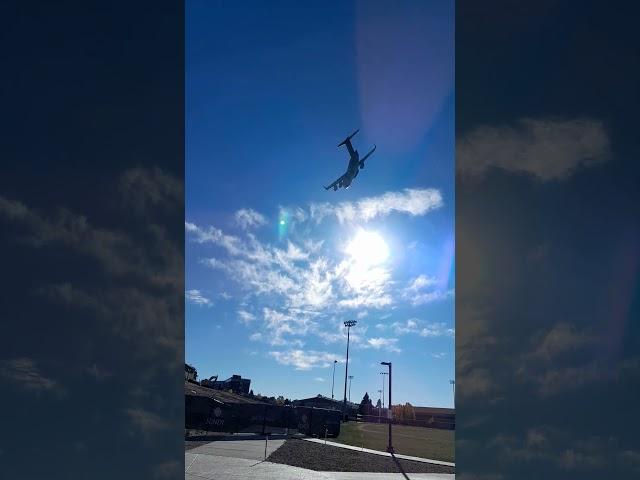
pixel 368 248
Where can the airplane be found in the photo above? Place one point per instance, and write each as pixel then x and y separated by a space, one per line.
pixel 355 165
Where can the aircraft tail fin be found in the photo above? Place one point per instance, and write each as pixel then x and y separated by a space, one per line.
pixel 348 138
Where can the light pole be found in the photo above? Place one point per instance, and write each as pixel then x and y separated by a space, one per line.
pixel 350 378
pixel 390 446
pixel 348 324
pixel 453 386
pixel 383 373
pixel 334 377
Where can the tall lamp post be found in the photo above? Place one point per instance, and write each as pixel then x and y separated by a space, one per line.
pixel 350 378
pixel 333 382
pixel 390 446
pixel 383 374
pixel 453 386
pixel 348 324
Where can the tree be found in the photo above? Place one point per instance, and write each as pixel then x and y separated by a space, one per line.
pixel 280 400
pixel 251 393
pixel 379 404
pixel 365 405
pixel 404 412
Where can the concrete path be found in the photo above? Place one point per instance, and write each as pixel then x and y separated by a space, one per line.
pixel 242 458
pixel 249 447
pixel 378 452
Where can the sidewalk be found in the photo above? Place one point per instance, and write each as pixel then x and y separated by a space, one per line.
pixel 242 458
pixel 378 452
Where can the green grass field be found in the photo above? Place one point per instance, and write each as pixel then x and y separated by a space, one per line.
pixel 422 442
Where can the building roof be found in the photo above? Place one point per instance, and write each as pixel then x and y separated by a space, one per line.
pixel 220 395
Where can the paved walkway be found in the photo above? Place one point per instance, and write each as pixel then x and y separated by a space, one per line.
pixel 242 458
pixel 378 452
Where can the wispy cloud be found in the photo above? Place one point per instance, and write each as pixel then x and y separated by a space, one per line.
pixel 414 202
pixel 146 421
pixel 24 373
pixel 548 149
pixel 248 218
pixel 388 344
pixel 302 360
pixel 246 317
pixel 195 296
pixel 438 329
pixel 424 289
pixel 298 286
pixel 319 379
pixel 417 326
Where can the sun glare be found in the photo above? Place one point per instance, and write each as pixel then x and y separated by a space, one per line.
pixel 368 248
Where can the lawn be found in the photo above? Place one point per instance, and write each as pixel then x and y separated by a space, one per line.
pixel 422 442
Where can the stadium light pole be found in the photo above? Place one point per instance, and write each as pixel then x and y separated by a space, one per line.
pixel 350 378
pixel 390 446
pixel 333 382
pixel 453 386
pixel 348 324
pixel 383 373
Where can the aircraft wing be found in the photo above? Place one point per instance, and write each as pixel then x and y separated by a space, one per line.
pixel 335 185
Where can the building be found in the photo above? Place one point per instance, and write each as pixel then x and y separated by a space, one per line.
pixel 190 373
pixel 320 401
pixel 235 383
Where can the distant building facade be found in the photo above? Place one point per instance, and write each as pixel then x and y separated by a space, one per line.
pixel 235 383
pixel 190 373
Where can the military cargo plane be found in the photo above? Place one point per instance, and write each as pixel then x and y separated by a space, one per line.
pixel 355 165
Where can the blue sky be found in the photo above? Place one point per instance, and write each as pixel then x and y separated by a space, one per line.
pixel 274 263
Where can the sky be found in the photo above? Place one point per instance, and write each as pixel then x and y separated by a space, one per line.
pixel 274 264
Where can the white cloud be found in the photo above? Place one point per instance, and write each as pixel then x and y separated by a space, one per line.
pixel 319 379
pixel 438 355
pixel 424 289
pixel 428 297
pixel 24 372
pixel 255 337
pixel 213 235
pixel 410 326
pixel 388 344
pixel 195 296
pixel 546 148
pixel 147 422
pixel 246 317
pixel 302 360
pixel 248 218
pixel 437 330
pixel 422 281
pixel 414 202
pixel 299 283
